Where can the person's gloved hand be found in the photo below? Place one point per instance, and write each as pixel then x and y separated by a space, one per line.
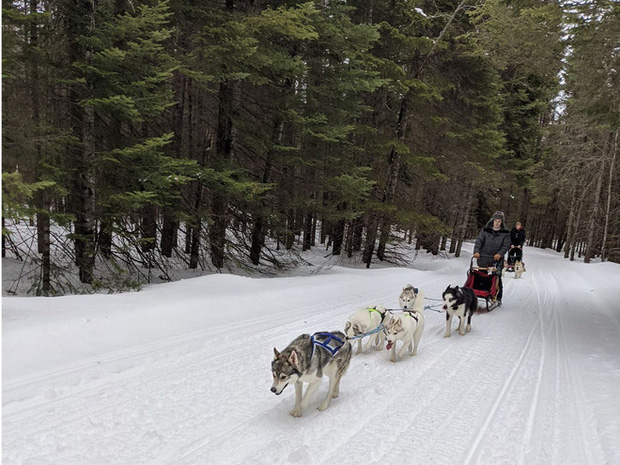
pixel 476 255
pixel 496 257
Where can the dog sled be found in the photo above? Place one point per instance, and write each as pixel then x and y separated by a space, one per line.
pixel 484 281
pixel 512 260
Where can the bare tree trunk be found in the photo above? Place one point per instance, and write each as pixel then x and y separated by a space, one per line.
pixel 258 229
pixel 576 234
pixel 229 101
pixel 570 227
pixel 148 228
pixel 169 233
pixel 465 221
pixel 194 249
pixel 595 210
pixel 371 237
pixel 84 191
pixel 614 151
pixel 41 199
pixel 3 239
pixel 394 161
pixel 307 232
pixel 338 236
pixel 82 154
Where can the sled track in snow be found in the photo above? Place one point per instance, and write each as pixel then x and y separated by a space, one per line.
pixel 317 312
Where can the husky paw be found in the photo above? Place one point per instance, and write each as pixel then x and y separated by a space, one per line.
pixel 323 406
pixel 296 412
pixel 392 359
pixel 446 335
pixel 462 333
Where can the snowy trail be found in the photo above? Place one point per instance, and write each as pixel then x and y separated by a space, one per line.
pixel 517 389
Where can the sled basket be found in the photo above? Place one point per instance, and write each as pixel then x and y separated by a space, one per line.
pixel 484 283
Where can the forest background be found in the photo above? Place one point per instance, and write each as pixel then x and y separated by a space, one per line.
pixel 139 137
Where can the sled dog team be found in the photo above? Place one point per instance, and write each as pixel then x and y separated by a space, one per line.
pixel 310 357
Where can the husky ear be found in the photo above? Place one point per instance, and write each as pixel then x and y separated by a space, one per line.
pixel 294 360
pixel 275 351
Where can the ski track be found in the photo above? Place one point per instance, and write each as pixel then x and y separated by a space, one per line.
pixel 162 403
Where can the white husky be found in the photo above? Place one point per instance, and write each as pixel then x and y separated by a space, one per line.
pixel 411 299
pixel 406 327
pixel 364 321
pixel 519 269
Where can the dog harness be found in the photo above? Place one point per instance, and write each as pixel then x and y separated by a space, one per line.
pixel 382 315
pixel 411 315
pixel 374 309
pixel 330 343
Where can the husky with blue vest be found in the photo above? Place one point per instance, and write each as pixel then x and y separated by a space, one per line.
pixel 367 322
pixel 306 360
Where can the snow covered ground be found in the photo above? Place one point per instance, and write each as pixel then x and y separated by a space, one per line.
pixel 180 373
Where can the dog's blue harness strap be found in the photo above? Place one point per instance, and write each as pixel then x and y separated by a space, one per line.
pixel 325 344
pixel 376 330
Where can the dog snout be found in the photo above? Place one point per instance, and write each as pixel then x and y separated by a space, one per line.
pixel 445 307
pixel 274 390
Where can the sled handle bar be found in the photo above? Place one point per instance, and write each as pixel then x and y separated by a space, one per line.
pixel 493 269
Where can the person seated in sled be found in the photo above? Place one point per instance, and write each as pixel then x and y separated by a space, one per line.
pixel 517 239
pixel 492 244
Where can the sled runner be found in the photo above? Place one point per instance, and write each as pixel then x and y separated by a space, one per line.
pixel 484 282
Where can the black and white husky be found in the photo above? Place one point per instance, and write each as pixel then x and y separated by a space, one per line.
pixel 306 360
pixel 462 302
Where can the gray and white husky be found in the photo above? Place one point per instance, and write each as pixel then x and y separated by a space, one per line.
pixel 364 321
pixel 306 360
pixel 406 327
pixel 411 298
pixel 462 302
